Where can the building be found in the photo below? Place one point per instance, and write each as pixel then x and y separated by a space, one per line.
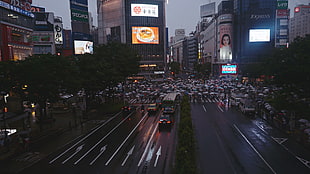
pixel 16 27
pixel 254 30
pixel 299 24
pixel 139 23
pixel 282 26
pixel 43 34
pixel 81 23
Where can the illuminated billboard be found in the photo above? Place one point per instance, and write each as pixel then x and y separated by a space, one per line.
pixel 145 35
pixel 259 35
pixel 83 47
pixel 147 10
pixel 229 69
pixel 225 41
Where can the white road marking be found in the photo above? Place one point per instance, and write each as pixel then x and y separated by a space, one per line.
pixel 244 137
pixel 204 108
pixel 147 146
pixel 76 151
pixel 107 163
pixel 82 139
pixel 220 108
pixel 158 153
pixel 101 140
pixel 101 152
pixel 279 140
pixel 128 154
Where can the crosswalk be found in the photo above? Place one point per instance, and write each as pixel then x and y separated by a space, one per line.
pixel 192 100
pixel 205 100
pixel 141 101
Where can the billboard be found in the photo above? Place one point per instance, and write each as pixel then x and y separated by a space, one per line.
pixel 83 47
pixel 225 41
pixel 259 35
pixel 58 33
pixel 207 10
pixel 229 69
pixel 145 35
pixel 147 10
pixel 78 15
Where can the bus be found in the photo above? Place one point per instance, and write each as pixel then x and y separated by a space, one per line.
pixel 169 103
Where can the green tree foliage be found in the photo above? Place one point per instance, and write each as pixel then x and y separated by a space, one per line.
pixel 287 65
pixel 7 81
pixel 120 62
pixel 203 70
pixel 175 67
pixel 46 76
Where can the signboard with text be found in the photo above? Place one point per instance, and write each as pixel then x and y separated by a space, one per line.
pixel 229 69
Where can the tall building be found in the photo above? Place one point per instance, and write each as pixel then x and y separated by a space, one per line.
pixel 254 29
pixel 81 24
pixel 299 24
pixel 139 23
pixel 282 28
pixel 16 27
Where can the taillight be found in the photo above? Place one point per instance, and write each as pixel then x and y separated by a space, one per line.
pixel 168 121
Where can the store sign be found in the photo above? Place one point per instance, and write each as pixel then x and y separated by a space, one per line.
pixel 282 13
pixel 22 4
pixel 58 33
pixel 16 9
pixel 259 16
pixel 144 10
pixel 77 15
pixel 282 5
pixel 229 69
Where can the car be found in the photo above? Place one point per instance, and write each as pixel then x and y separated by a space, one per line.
pixel 152 108
pixel 127 109
pixel 165 121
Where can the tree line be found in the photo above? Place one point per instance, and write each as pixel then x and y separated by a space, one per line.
pixel 43 77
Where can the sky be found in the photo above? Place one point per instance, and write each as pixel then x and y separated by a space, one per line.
pixel 180 14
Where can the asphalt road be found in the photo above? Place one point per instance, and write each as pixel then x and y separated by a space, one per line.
pixel 123 144
pixel 229 142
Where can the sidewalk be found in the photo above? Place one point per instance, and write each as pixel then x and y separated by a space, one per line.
pixel 63 130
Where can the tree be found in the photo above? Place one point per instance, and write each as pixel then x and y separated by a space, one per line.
pixel 175 67
pixel 46 76
pixel 203 70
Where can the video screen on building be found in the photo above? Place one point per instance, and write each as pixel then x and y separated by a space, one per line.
pixel 83 47
pixel 145 35
pixel 259 35
pixel 147 10
pixel 228 69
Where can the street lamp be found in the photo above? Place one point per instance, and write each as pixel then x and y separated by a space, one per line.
pixel 3 94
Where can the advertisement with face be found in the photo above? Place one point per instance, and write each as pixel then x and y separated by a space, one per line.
pixel 145 35
pixel 83 47
pixel 225 41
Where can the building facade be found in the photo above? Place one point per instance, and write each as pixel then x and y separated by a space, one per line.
pixel 139 23
pixel 16 27
pixel 299 24
pixel 254 29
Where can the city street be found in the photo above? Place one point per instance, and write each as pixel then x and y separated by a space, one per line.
pixel 229 142
pixel 123 144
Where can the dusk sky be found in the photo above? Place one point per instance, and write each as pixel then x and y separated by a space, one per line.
pixel 180 14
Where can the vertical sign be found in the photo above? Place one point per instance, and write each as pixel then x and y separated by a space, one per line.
pixel 58 33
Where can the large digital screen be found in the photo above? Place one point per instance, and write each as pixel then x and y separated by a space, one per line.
pixel 83 47
pixel 259 35
pixel 147 10
pixel 145 35
pixel 228 69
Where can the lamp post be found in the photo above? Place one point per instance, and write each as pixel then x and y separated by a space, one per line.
pixel 3 94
